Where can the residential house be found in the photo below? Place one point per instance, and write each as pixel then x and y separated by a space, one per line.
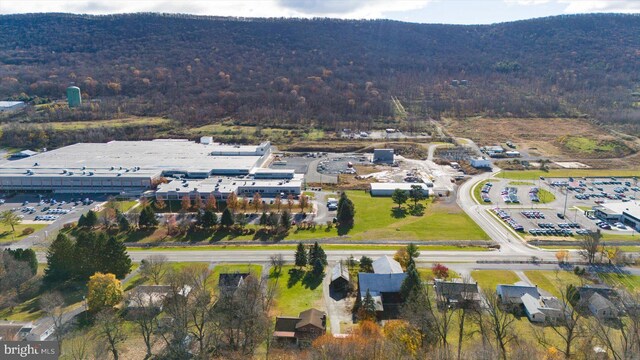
pixel 601 307
pixel 14 331
pixel 457 293
pixel 542 309
pixel 385 290
pixel 305 328
pixel 512 294
pixel 339 278
pixel 229 283
pixel 386 265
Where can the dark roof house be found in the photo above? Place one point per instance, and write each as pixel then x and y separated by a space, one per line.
pixel 308 326
pixel 229 283
pixel 457 293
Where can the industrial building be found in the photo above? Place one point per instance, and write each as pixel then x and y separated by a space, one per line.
pixel 9 106
pixel 387 189
pixel 131 166
pixel 383 156
pixel 480 163
pixel 627 213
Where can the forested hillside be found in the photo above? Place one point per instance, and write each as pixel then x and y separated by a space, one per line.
pixel 322 73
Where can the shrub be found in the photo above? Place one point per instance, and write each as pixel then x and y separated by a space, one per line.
pixel 28 231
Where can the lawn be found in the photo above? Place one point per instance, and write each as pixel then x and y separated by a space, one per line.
pixel 6 235
pixel 137 279
pixel 488 280
pixel 521 183
pixel 565 173
pixel 296 291
pixel 354 247
pixel 545 196
pixel 554 282
pixel 629 282
pixel 427 275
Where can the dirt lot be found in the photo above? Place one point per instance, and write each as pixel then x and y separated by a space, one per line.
pixel 587 141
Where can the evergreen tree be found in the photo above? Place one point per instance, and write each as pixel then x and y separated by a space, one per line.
pixel 116 259
pixel 318 267
pixel 346 211
pixel 285 219
pixel 317 253
pixel 59 260
pixel 367 308
pixel 301 256
pixel 82 221
pixel 91 219
pixel 88 255
pixel 227 218
pixel 123 223
pixel 209 219
pixel 264 219
pixel 412 282
pixel 147 218
pixel 366 264
pixel 399 197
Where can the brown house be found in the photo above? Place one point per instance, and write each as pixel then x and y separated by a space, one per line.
pixel 305 328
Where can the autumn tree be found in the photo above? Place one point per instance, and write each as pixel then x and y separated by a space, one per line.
pixel 185 203
pixel 257 201
pixel 197 203
pixel 562 256
pixel 290 202
pixel 440 271
pixel 277 202
pixel 104 292
pixel 232 201
pixel 211 204
pixel 160 204
pixel 303 202
pixel 244 204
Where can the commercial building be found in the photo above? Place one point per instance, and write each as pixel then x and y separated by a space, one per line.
pixel 627 213
pixel 387 189
pixel 9 106
pixel 480 163
pixel 131 166
pixel 383 156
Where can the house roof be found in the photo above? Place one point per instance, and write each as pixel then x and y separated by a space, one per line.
pixel 339 271
pixel 380 283
pixel 228 283
pixel 599 302
pixel 386 265
pixel 312 317
pixel 531 304
pixel 587 291
pixel 454 288
pixel 286 324
pixel 517 290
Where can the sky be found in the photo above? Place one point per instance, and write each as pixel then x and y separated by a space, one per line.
pixel 418 11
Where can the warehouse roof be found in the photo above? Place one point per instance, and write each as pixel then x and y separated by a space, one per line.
pixel 148 158
pixel 397 185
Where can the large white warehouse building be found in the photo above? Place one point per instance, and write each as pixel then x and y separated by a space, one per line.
pixel 128 166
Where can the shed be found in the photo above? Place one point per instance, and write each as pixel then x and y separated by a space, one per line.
pixel 339 277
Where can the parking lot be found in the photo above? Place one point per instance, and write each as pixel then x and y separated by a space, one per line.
pixel 341 164
pixel 49 208
pixel 515 204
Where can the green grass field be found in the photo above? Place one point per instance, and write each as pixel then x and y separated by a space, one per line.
pixel 6 235
pixel 296 291
pixel 117 123
pixel 628 282
pixel 521 183
pixel 545 196
pixel 354 247
pixel 554 282
pixel 427 275
pixel 564 173
pixel 488 280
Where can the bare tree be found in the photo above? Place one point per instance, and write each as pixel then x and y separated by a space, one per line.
pixel 144 312
pixel 590 245
pixel 154 268
pixel 52 303
pixel 277 261
pixel 622 337
pixel 465 307
pixel 78 346
pixel 568 327
pixel 110 328
pixel 500 324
